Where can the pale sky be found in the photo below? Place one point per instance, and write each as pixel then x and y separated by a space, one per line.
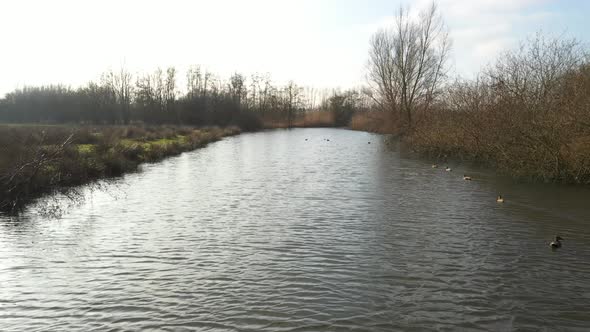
pixel 320 43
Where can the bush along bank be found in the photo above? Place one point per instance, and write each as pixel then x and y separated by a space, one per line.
pixel 37 160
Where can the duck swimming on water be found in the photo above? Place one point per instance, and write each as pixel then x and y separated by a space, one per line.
pixel 500 199
pixel 556 243
pixel 466 178
pixel 434 166
pixel 448 169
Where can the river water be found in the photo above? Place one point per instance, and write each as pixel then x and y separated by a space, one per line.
pixel 287 231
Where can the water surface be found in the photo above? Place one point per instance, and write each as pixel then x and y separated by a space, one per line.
pixel 286 231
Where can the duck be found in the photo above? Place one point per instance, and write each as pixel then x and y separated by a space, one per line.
pixel 448 169
pixel 467 178
pixel 434 166
pixel 500 199
pixel 368 142
pixel 556 243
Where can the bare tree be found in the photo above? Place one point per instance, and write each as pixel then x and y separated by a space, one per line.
pixel 407 62
pixel 534 72
pixel 237 87
pixel 122 88
pixel 292 101
pixel 170 88
pixel 194 81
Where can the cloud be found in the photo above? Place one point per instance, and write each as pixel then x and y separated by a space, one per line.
pixel 482 29
pixel 467 9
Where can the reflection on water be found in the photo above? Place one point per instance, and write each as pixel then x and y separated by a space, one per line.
pixel 269 232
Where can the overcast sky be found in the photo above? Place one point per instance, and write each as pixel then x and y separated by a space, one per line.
pixel 321 43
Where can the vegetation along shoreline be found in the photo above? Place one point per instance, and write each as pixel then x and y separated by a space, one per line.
pixel 38 160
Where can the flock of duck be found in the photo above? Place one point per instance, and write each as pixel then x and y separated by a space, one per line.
pixel 499 199
pixel 556 243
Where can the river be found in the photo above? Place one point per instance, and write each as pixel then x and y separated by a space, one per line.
pixel 301 230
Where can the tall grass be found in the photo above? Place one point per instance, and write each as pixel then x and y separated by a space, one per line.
pixel 375 121
pixel 306 120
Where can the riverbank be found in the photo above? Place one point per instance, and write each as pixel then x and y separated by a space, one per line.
pixel 541 147
pixel 526 115
pixel 38 159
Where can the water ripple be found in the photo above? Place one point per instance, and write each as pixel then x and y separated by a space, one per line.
pixel 269 232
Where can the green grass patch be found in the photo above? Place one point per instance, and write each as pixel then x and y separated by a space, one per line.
pixel 167 141
pixel 86 148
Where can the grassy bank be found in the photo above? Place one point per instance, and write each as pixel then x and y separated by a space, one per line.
pixel 35 159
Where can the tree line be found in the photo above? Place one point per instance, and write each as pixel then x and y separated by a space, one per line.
pixel 121 98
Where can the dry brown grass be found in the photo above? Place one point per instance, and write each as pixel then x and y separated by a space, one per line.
pixel 308 120
pixel 316 119
pixel 374 121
